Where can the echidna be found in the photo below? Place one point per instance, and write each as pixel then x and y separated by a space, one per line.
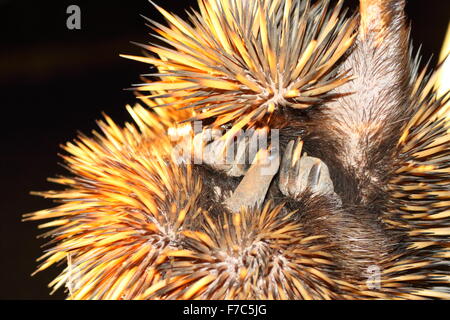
pixel 358 206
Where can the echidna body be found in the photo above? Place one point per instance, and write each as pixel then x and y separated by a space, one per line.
pixel 137 224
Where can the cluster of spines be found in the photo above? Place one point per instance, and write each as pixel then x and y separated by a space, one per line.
pixel 130 227
pixel 251 254
pixel 240 60
pixel 419 196
pixel 124 205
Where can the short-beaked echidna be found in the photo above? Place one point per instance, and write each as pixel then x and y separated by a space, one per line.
pixel 360 205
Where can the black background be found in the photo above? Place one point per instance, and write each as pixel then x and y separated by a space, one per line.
pixel 55 82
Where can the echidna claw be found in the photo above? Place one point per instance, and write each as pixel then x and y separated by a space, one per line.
pixel 299 173
pixel 231 157
pixel 314 174
pixel 253 188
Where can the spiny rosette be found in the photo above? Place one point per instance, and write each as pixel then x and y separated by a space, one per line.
pixel 238 61
pixel 419 185
pixel 251 254
pixel 419 193
pixel 126 202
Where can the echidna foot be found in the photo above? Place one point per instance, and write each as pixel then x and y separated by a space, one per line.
pixel 233 157
pixel 299 173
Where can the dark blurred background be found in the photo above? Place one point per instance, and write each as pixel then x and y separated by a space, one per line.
pixel 55 82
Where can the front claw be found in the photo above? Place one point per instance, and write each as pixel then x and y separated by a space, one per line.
pixel 299 173
pixel 252 190
pixel 232 157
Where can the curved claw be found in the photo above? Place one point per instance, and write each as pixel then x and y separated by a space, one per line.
pixel 229 156
pixel 221 155
pixel 253 188
pixel 299 173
